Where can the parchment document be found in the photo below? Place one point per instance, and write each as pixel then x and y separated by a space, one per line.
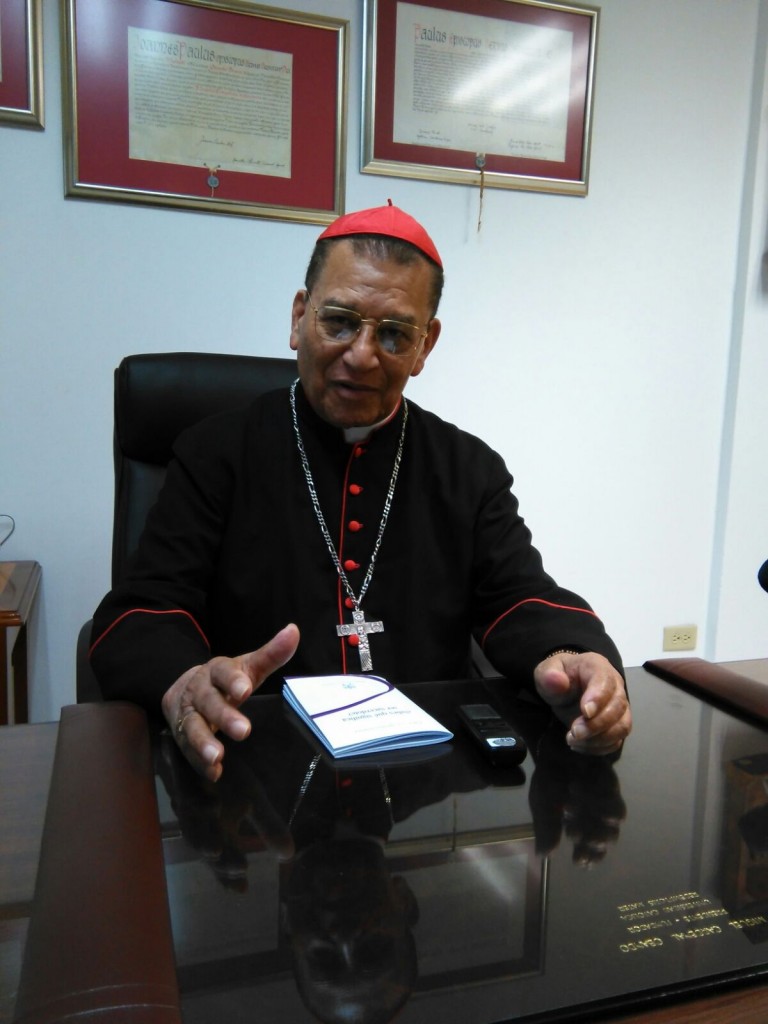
pixel 480 84
pixel 209 104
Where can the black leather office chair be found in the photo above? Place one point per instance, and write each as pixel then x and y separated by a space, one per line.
pixel 157 396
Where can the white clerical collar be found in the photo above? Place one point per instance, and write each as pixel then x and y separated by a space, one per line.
pixel 353 435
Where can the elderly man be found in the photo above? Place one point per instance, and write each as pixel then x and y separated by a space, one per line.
pixel 384 536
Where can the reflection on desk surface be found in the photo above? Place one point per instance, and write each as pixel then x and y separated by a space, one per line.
pixel 441 888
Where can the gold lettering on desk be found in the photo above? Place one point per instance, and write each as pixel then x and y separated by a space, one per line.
pixel 690 905
pixel 636 947
pixel 672 899
pixel 681 917
pixel 697 933
pixel 747 922
pixel 669 904
pixel 704 915
pixel 649 926
pixel 637 914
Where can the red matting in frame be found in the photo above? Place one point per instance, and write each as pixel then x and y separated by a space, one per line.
pixel 15 86
pixel 580 25
pixel 101 104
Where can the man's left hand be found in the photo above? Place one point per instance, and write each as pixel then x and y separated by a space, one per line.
pixel 587 694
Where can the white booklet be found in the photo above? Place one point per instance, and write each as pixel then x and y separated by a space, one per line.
pixel 361 714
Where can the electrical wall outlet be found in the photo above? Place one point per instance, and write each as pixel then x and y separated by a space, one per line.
pixel 680 638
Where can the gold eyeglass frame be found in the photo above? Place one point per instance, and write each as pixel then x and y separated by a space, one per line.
pixel 368 320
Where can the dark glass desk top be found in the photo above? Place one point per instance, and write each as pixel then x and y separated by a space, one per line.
pixel 446 890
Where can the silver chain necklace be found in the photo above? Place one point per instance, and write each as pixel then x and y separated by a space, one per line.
pixel 308 775
pixel 358 627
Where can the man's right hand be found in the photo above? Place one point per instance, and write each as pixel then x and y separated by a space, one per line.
pixel 205 700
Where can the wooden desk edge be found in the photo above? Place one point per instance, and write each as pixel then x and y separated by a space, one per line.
pixel 29 574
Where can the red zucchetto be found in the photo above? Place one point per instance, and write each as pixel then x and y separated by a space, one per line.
pixel 386 220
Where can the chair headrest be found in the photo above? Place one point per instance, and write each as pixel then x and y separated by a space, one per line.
pixel 158 395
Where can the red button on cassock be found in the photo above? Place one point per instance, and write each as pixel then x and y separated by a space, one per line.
pixel 349 564
pixel 355 489
pixel 354 525
pixel 349 602
pixel 353 640
pixel 359 451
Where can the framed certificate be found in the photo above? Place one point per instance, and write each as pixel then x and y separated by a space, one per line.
pixel 493 92
pixel 21 63
pixel 207 105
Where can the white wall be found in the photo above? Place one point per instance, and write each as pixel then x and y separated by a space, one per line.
pixel 612 348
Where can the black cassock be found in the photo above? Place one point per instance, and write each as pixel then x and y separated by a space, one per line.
pixel 232 552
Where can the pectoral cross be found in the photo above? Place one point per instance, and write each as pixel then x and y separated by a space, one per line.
pixel 360 628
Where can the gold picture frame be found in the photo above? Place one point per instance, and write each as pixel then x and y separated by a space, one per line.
pixel 21 64
pixel 211 105
pixel 494 93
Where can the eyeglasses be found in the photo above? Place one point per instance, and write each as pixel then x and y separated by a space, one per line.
pixel 342 326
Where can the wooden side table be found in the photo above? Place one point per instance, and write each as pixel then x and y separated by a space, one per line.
pixel 18 589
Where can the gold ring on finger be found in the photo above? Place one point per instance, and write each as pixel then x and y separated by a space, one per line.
pixel 182 720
